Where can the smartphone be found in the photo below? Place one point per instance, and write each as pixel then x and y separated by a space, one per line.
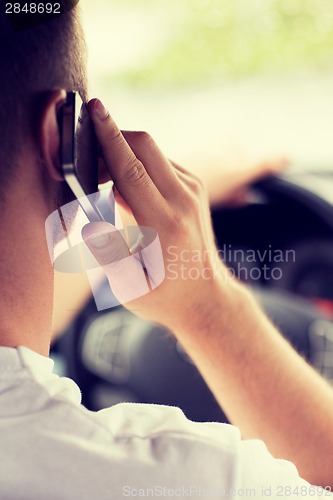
pixel 79 154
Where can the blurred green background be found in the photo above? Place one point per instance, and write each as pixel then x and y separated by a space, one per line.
pixel 209 39
pixel 256 73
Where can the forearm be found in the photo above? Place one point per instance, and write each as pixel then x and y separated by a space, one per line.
pixel 263 385
pixel 265 388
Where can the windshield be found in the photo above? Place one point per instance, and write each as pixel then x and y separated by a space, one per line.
pixel 257 73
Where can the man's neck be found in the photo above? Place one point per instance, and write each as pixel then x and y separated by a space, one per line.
pixel 26 275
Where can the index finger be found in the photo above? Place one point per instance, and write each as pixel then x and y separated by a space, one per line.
pixel 128 173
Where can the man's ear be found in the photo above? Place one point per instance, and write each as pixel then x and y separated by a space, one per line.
pixel 49 137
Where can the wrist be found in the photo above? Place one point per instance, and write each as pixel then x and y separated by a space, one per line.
pixel 217 307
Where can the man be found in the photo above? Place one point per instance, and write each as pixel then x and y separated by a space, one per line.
pixel 52 447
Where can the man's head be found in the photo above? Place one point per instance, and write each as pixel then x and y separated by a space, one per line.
pixel 37 65
pixel 36 61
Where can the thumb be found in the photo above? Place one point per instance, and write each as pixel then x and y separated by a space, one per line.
pixel 105 242
pixel 123 270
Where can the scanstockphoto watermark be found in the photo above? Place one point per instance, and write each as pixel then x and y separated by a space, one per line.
pixel 160 491
pixel 248 264
pixel 264 491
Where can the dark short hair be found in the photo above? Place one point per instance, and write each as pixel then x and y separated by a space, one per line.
pixel 32 62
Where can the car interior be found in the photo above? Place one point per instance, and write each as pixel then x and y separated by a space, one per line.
pixel 115 356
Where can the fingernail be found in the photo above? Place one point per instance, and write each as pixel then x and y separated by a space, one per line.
pixel 99 241
pixel 100 109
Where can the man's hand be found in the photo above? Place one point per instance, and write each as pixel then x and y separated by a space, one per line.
pixel 260 381
pixel 228 180
pixel 173 202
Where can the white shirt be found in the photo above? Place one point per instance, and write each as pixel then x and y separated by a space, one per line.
pixel 51 447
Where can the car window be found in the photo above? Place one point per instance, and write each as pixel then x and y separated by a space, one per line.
pixel 258 74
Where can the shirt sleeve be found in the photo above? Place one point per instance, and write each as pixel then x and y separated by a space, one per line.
pixel 174 457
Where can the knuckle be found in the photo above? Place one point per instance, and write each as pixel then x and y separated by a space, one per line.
pixel 197 186
pixel 191 205
pixel 144 138
pixel 114 133
pixel 134 173
pixel 176 225
pixel 196 183
pixel 198 194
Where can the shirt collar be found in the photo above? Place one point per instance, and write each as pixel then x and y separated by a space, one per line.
pixel 14 359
